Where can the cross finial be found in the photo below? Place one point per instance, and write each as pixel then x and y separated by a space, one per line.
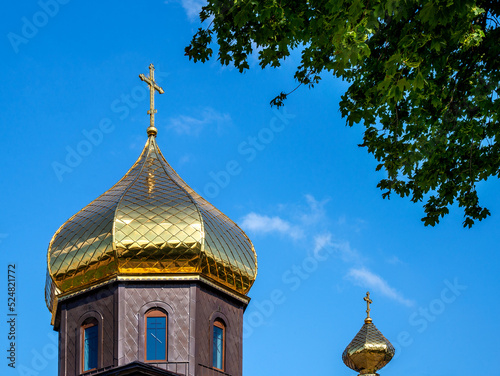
pixel 368 302
pixel 152 87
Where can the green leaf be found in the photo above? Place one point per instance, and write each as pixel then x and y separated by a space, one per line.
pixel 418 83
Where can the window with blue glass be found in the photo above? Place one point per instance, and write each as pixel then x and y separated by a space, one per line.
pixel 156 335
pixel 90 344
pixel 219 338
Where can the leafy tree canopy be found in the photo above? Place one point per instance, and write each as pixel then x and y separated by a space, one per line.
pixel 424 81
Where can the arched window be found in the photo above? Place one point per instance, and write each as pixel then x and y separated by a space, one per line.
pixel 219 344
pixel 90 344
pixel 155 339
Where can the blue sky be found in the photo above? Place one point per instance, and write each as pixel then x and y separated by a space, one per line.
pixel 74 121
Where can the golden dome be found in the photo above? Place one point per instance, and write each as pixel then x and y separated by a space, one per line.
pixel 150 223
pixel 149 226
pixel 369 351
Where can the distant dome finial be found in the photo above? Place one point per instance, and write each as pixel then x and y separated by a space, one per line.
pixel 152 131
pixel 368 302
pixel 369 351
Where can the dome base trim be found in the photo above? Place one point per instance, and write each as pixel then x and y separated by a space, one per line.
pixel 131 278
pixel 219 286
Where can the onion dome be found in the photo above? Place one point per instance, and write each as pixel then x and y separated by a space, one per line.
pixel 149 225
pixel 369 351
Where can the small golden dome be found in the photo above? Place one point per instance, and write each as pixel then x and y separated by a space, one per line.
pixel 149 224
pixel 369 351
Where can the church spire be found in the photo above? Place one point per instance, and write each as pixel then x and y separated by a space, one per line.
pixel 369 351
pixel 152 131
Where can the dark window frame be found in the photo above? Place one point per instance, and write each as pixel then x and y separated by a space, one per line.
pixel 88 323
pixel 155 312
pixel 219 323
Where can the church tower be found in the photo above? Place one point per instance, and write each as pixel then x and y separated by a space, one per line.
pixel 149 278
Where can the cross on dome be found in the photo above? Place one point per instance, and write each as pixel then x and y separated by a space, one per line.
pixel 368 302
pixel 152 131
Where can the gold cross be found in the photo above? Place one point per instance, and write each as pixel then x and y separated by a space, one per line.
pixel 152 87
pixel 368 302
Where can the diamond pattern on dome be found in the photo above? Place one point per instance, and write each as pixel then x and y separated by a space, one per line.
pixel 157 228
pixel 81 251
pixel 229 255
pixel 150 222
pixel 369 351
pixel 50 292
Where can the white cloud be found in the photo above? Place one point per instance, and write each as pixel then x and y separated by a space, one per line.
pixel 263 224
pixel 395 260
pixel 342 249
pixel 316 210
pixel 322 241
pixel 306 219
pixel 192 7
pixel 193 126
pixel 313 223
pixel 365 278
pixel 347 253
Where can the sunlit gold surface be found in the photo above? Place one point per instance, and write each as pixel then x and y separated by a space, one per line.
pixel 369 351
pixel 149 223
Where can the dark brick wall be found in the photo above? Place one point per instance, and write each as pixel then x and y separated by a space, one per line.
pixel 192 308
pixel 99 304
pixel 135 300
pixel 211 304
